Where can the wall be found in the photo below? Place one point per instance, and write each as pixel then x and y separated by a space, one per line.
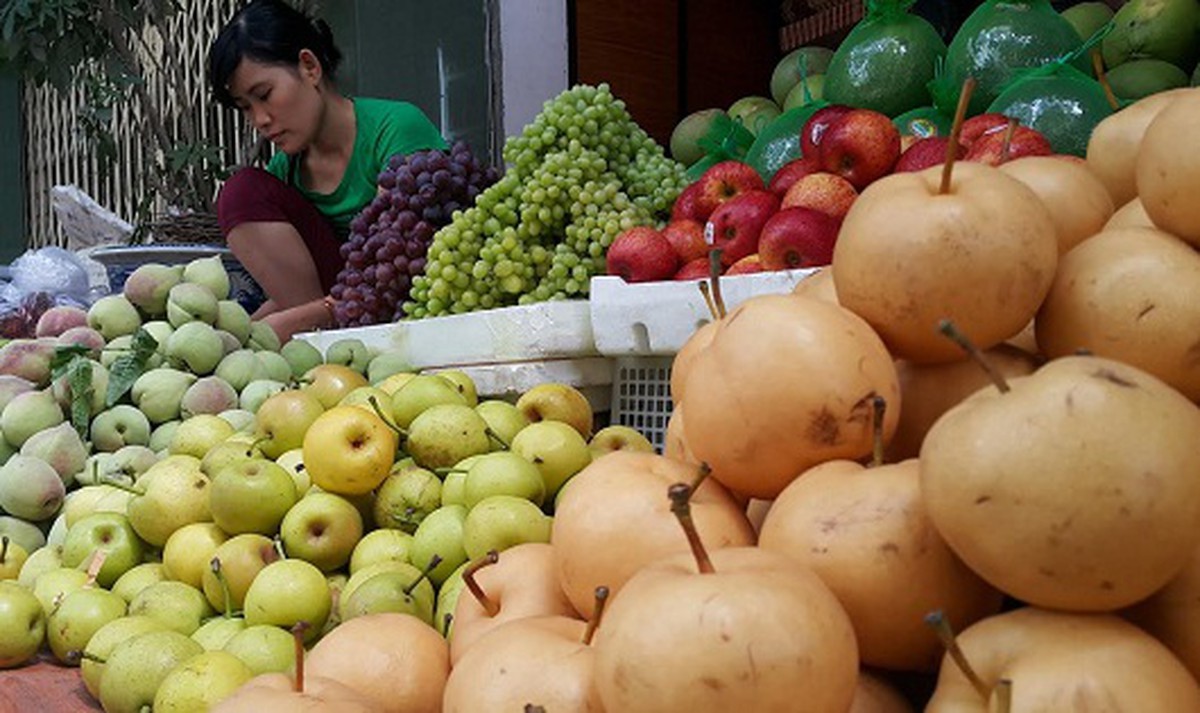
pixel 534 56
pixel 12 179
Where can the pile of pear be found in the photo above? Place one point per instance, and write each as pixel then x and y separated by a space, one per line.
pixel 223 500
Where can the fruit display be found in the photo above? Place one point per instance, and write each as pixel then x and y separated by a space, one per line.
pixel 390 237
pixel 578 174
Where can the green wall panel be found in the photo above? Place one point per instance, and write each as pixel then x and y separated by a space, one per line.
pixel 12 181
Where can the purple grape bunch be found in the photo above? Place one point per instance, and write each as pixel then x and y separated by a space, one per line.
pixel 389 238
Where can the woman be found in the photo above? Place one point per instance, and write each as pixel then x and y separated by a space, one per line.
pixel 285 223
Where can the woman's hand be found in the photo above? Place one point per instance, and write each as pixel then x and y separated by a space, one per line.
pixel 301 318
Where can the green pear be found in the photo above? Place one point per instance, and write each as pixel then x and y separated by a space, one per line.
pixel 463 383
pixel 198 434
pixel 130 462
pixel 130 584
pixel 30 488
pixel 209 272
pixel 137 667
pixel 441 534
pixel 321 528
pixel 241 419
pixel 6 449
pixel 175 605
pixel 349 352
pixel 557 450
pixel 120 426
pixel 159 393
pixel 395 592
pixel 161 436
pixel 240 367
pixel 264 649
pixel 263 338
pixel 11 385
pixel 258 391
pixel 404 499
pixel 79 616
pixel 93 395
pixel 27 414
pixel 502 521
pixel 114 316
pixel 382 545
pixel 357 579
pixel 175 493
pixel 421 393
pixel 25 534
pixel 188 302
pixel 229 342
pixel 287 592
pixel 147 287
pixel 504 420
pixel 293 462
pixel 57 534
pixel 444 435
pixel 85 337
pixel 241 558
pixel 226 453
pixel 251 496
pixel 40 561
pixel 115 348
pixel 454 488
pixel 196 347
pixel 22 625
pixel 161 330
pixel 52 587
pixel 301 356
pixel 102 643
pixel 208 395
pixel 108 532
pixel 233 318
pixel 386 364
pixel 275 366
pixel 61 448
pixel 503 473
pixel 215 633
pixel 200 683
pixel 447 601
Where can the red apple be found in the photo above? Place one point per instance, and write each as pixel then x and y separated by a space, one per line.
pixel 697 269
pixel 861 146
pixel 798 237
pixel 927 152
pixel 813 132
pixel 790 172
pixel 830 194
pixel 977 126
pixel 724 181
pixel 746 266
pixel 685 207
pixel 737 223
pixel 687 237
pixel 642 255
pixel 989 148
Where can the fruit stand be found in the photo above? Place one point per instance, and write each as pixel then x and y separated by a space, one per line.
pixel 876 395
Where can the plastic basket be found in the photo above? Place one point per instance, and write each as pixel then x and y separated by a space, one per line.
pixel 641 396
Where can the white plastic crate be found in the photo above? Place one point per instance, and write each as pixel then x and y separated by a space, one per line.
pixel 526 333
pixel 641 396
pixel 657 318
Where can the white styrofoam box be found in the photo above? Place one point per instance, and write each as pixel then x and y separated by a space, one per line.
pixel 547 330
pixel 657 318
pixel 593 376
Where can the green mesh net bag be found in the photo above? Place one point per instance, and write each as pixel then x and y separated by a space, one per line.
pixel 726 139
pixel 1058 100
pixel 923 122
pixel 1000 38
pixel 779 142
pixel 887 60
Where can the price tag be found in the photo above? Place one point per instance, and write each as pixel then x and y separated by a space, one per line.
pixel 710 233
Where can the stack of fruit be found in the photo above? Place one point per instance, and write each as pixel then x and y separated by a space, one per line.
pixel 580 173
pixel 793 221
pixel 344 486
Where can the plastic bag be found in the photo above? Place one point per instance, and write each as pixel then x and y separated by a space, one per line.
pixel 1058 100
pixel 41 279
pixel 779 142
pixel 998 40
pixel 726 139
pixel 887 61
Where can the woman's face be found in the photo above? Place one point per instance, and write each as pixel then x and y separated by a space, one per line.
pixel 284 104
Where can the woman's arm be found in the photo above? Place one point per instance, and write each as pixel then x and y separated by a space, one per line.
pixel 306 317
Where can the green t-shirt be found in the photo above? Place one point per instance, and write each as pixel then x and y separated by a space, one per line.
pixel 384 128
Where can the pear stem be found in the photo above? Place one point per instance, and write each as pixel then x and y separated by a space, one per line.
pixel 960 115
pixel 714 268
pixel 681 507
pixel 531 708
pixel 1006 145
pixel 597 614
pixel 298 639
pixel 277 544
pixel 447 619
pixel 496 437
pixel 448 471
pixel 215 565
pixel 433 564
pixel 489 605
pixel 947 328
pixel 712 308
pixel 74 656
pixel 945 633
pixel 878 410
pixel 3 548
pixel 701 476
pixel 94 566
pixel 1102 77
pixel 374 402
pixel 1003 696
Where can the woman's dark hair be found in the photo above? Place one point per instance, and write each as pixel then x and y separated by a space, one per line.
pixel 271 32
